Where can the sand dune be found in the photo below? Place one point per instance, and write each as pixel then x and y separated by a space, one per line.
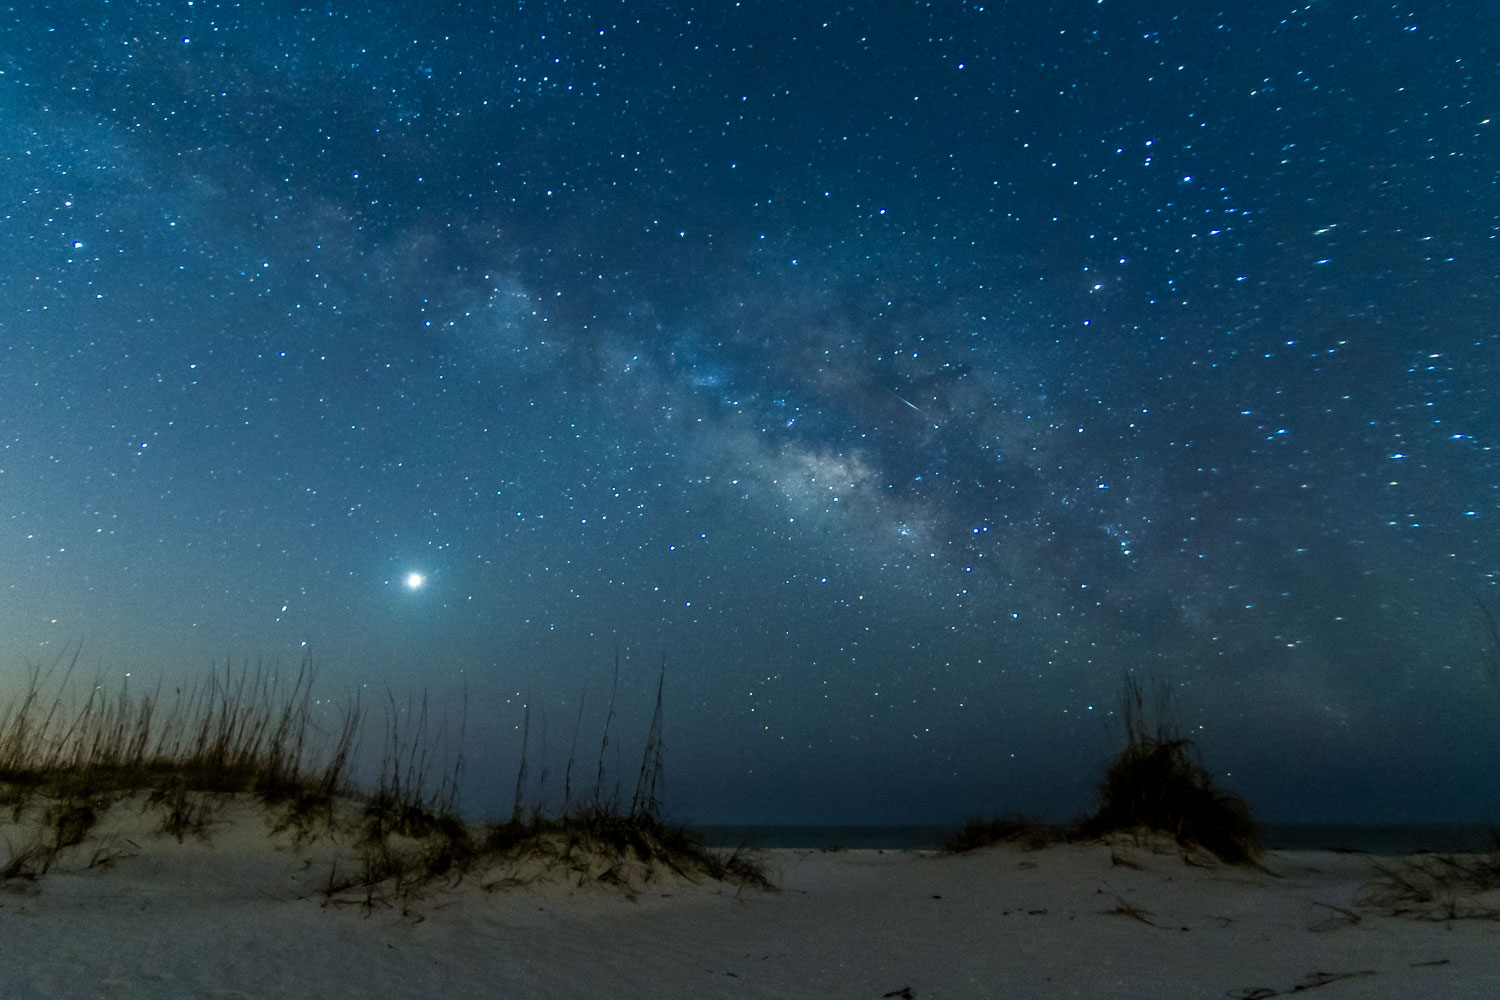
pixel 244 915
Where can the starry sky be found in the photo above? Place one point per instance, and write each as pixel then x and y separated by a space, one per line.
pixel 900 374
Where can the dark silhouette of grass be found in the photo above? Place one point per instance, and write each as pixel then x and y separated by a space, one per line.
pixel 619 848
pixel 1156 784
pixel 244 732
pixel 67 758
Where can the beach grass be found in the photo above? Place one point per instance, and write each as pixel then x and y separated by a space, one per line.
pixel 71 751
pixel 1441 887
pixel 1155 785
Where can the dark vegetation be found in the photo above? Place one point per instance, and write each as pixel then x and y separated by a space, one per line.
pixel 69 756
pixel 1156 784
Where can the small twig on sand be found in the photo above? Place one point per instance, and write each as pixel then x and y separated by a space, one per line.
pixel 1309 982
pixel 1132 911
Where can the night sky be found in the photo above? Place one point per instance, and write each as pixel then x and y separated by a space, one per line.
pixel 900 373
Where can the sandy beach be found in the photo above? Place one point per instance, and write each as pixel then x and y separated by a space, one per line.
pixel 133 913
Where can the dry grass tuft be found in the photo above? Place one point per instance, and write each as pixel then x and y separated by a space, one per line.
pixel 68 758
pixel 1156 784
pixel 601 846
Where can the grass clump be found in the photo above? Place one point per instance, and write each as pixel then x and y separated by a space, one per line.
pixel 1156 784
pixel 68 756
pixel 236 732
pixel 603 847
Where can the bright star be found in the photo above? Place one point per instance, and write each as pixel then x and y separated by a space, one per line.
pixel 414 581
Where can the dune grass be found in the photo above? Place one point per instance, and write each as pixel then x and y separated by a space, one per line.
pixel 72 751
pixel 1156 784
pixel 1442 887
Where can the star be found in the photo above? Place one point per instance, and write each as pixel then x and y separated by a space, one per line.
pixel 415 581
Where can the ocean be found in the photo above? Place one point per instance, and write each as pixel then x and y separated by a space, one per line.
pixel 1386 840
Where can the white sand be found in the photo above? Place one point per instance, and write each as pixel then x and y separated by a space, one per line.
pixel 241 916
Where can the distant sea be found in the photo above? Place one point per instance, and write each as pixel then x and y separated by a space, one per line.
pixel 1389 840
